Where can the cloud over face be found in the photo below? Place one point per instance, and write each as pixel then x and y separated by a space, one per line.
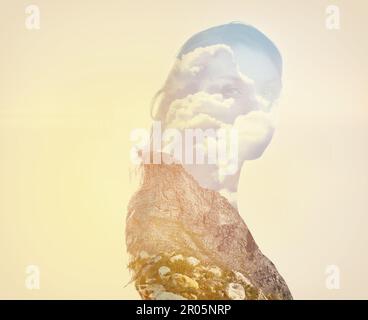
pixel 211 71
pixel 207 90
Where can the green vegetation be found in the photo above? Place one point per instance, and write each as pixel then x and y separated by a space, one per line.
pixel 188 278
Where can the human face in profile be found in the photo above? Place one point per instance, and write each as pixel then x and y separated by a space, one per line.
pixel 207 89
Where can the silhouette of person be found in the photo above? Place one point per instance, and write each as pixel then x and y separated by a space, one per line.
pixel 183 229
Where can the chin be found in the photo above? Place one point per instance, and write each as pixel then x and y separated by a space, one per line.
pixel 255 152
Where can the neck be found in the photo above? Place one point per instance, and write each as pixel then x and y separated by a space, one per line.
pixel 208 178
pixel 229 188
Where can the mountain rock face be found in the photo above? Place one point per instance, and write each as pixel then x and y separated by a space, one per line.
pixel 187 242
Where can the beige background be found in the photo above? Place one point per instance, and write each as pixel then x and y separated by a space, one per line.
pixel 72 91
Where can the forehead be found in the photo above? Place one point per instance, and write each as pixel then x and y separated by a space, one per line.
pixel 222 66
pixel 225 62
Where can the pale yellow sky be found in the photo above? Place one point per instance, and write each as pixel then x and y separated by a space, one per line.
pixel 72 91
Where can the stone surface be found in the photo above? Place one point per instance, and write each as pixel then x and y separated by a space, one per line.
pixel 241 278
pixel 193 261
pixel 216 271
pixel 235 291
pixel 177 257
pixel 183 281
pixel 164 295
pixel 163 271
pixel 171 216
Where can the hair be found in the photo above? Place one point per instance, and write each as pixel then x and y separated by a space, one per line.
pixel 231 34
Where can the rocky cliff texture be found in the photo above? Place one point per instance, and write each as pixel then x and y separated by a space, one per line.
pixel 187 242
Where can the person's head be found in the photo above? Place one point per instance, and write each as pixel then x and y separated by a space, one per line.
pixel 215 61
pixel 227 76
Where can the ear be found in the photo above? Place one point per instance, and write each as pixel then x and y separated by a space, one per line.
pixel 156 111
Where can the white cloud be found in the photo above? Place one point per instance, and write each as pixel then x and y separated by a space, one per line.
pixel 206 90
